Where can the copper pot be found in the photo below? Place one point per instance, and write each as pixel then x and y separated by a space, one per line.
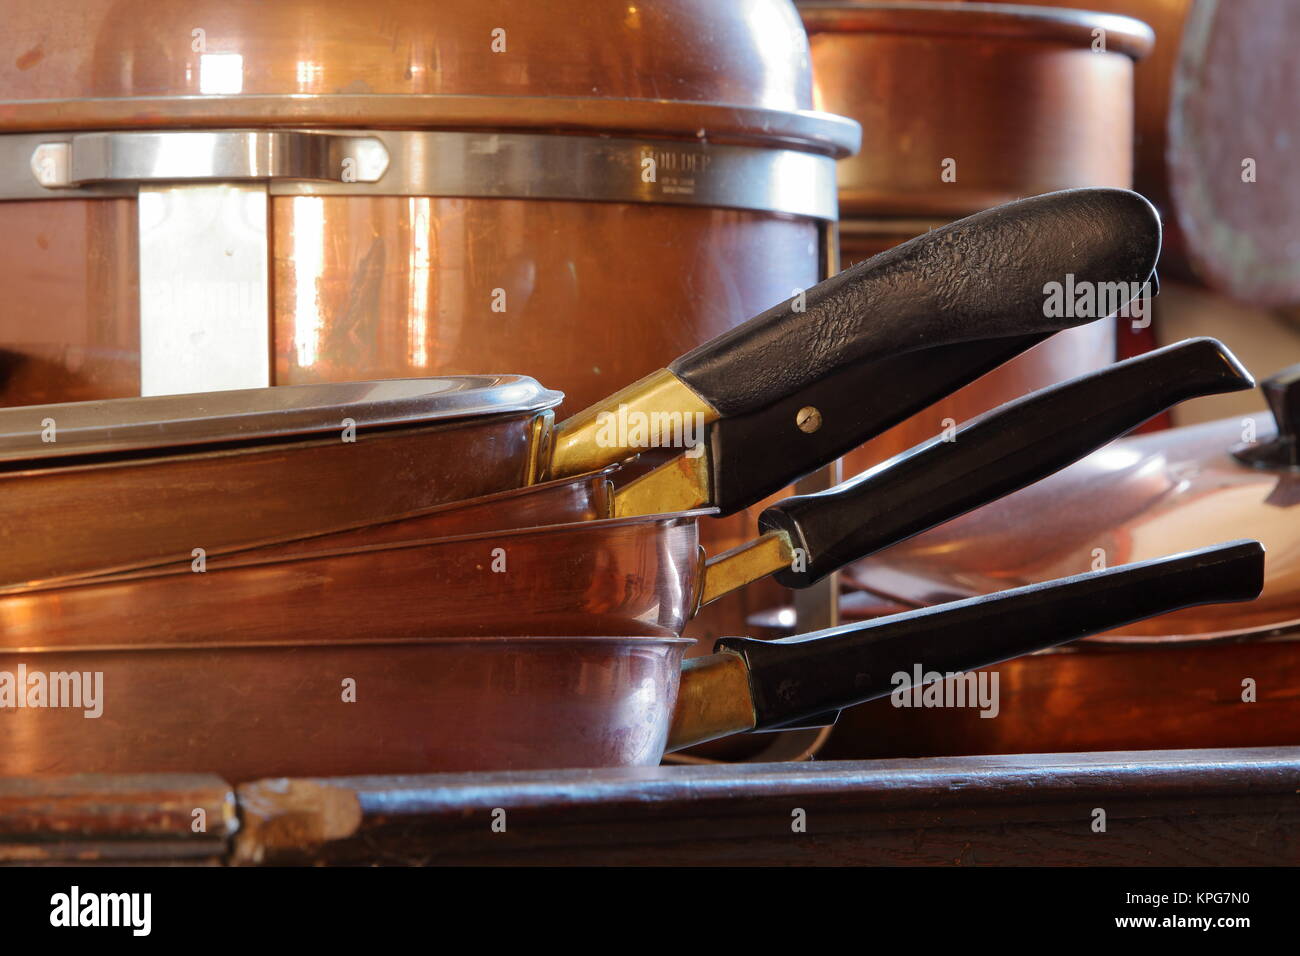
pixel 964 106
pixel 496 191
pixel 1016 98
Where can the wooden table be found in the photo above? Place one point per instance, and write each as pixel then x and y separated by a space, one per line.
pixel 1238 807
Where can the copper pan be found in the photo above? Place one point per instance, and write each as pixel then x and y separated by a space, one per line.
pixel 494 703
pixel 646 575
pixel 941 289
pixel 1168 490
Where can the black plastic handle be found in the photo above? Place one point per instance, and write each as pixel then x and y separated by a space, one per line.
pixel 985 276
pixel 754 456
pixel 796 678
pixel 994 455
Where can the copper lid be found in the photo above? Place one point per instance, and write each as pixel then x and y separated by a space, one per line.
pixel 720 69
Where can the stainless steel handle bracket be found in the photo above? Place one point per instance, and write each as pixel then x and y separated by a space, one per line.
pixel 86 159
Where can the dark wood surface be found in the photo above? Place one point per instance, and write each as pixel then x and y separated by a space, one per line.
pixel 116 819
pixel 1162 808
pixel 1215 807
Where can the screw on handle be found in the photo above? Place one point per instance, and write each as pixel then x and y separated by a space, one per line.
pixel 754 456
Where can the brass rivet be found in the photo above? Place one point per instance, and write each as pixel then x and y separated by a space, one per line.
pixel 809 419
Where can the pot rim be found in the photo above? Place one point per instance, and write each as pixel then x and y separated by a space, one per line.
pixel 1124 34
pixel 667 642
pixel 807 130
pixel 267 415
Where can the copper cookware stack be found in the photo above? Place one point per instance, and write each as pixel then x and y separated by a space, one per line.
pixel 431 569
pixel 964 106
pixel 396 653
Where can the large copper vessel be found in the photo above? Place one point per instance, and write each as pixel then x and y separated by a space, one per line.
pixel 964 106
pixel 398 189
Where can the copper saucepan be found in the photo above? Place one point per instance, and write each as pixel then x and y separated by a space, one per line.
pixel 243 473
pixel 1136 498
pixel 324 191
pixel 642 575
pixel 491 703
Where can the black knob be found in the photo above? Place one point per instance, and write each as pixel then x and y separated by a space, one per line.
pixel 1282 392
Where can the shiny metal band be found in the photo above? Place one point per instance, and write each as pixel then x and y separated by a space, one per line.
pixel 406 163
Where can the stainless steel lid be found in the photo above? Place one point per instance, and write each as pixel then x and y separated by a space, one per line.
pixel 114 426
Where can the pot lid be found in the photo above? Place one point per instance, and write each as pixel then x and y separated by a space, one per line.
pixel 120 425
pixel 983 20
pixel 669 66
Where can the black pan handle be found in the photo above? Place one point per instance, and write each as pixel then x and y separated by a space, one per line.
pixel 796 678
pixel 993 455
pixel 985 276
pixel 755 455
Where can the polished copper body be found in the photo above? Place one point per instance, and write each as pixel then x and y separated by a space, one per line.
pixel 341 708
pixel 55 517
pixel 390 286
pixel 639 576
pixel 1015 97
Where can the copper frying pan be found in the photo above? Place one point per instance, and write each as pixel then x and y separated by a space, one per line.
pixel 1136 498
pixel 980 278
pixel 643 575
pixel 491 703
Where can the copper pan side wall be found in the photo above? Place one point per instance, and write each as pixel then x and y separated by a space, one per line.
pixel 69 309
pixel 411 708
